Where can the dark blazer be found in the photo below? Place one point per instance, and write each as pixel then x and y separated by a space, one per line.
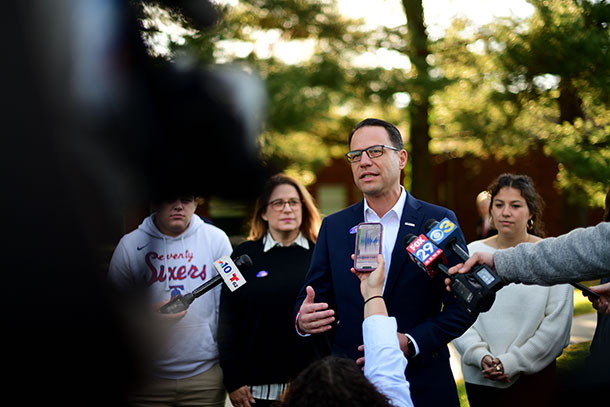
pixel 422 306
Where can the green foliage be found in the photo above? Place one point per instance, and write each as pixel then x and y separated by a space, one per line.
pixel 473 114
pixel 568 39
pixel 314 102
pixel 571 41
pixel 498 90
pixel 583 151
pixel 540 83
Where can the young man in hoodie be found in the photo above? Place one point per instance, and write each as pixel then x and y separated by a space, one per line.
pixel 170 253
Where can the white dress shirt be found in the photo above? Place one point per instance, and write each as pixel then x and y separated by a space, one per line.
pixel 391 223
pixel 269 242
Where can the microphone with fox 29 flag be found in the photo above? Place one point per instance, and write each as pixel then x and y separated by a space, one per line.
pixel 228 271
pixel 424 253
pixel 477 289
pixel 427 255
pixel 431 258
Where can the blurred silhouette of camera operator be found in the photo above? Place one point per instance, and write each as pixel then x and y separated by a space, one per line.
pixel 91 123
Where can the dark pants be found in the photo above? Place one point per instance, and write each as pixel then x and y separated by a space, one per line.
pixel 263 403
pixel 536 390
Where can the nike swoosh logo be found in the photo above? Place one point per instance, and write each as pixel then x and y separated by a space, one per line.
pixel 141 247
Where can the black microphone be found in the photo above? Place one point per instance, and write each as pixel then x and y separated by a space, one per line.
pixel 476 290
pixel 432 259
pixel 228 271
pixel 446 235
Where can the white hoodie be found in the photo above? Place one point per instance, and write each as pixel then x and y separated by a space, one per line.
pixel 167 266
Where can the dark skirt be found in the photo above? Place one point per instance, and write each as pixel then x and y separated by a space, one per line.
pixel 536 390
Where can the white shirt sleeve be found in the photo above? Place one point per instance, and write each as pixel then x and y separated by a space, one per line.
pixel 385 363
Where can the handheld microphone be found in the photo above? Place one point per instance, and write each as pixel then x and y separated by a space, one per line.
pixel 424 253
pixel 428 256
pixel 476 290
pixel 446 234
pixel 228 272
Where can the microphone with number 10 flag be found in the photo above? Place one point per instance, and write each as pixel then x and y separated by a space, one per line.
pixel 228 271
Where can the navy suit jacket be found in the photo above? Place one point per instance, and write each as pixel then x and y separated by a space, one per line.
pixel 422 306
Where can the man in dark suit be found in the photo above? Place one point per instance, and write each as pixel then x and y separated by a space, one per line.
pixel 330 299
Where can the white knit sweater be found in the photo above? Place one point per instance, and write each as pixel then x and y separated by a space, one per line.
pixel 526 328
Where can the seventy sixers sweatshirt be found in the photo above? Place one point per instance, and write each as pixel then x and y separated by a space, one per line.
pixel 166 266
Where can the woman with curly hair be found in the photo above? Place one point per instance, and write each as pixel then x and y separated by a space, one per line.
pixel 509 353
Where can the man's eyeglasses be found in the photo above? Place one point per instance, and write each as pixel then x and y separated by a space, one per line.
pixel 372 152
pixel 278 204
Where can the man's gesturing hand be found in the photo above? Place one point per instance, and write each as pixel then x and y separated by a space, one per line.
pixel 314 318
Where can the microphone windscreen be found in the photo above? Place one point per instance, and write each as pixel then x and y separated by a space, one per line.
pixel 408 239
pixel 430 223
pixel 243 262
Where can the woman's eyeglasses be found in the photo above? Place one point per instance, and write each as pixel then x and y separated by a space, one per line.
pixel 278 204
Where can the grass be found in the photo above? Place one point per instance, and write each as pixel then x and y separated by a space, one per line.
pixel 572 357
pixel 461 388
pixel 581 304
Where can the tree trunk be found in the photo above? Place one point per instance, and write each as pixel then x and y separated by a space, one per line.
pixel 570 103
pixel 420 102
pixel 570 108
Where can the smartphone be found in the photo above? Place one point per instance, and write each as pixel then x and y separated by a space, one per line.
pixel 368 246
pixel 585 289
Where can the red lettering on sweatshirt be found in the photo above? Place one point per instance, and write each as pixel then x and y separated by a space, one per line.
pixel 173 273
pixel 194 273
pixel 188 256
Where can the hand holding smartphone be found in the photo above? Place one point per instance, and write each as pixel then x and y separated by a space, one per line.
pixel 591 294
pixel 368 246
